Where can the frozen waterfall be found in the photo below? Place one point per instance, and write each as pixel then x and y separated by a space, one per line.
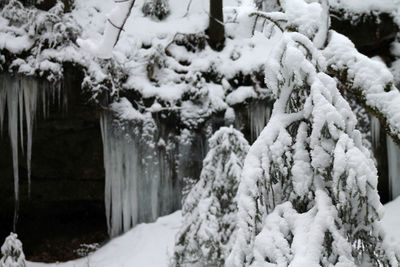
pixel 20 97
pixel 141 184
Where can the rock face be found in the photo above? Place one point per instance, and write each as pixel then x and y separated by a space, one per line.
pixel 371 33
pixel 66 207
pixel 67 200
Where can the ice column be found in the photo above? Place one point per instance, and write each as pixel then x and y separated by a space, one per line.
pixel 13 92
pixel 259 114
pixel 393 157
pixel 393 151
pixel 375 131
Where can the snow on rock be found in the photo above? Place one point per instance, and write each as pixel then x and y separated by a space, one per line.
pixel 240 95
pixel 150 57
pixel 366 6
pixel 146 245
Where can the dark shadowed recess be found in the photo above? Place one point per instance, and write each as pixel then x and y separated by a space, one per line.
pixel 66 207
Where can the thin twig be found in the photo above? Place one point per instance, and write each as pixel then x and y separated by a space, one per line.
pixel 266 17
pixel 121 28
pixel 187 9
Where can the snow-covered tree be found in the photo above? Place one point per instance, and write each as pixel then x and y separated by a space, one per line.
pixel 158 9
pixel 308 193
pixel 13 255
pixel 209 211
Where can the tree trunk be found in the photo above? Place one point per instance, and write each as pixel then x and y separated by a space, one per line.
pixel 216 29
pixel 381 156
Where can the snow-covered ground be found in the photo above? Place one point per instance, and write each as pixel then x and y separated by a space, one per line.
pixel 391 220
pixel 146 245
pixel 151 244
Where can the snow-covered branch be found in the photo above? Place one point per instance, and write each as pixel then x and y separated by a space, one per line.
pixel 368 79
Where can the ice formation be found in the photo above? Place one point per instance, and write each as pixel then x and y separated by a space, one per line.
pixel 20 98
pixel 393 157
pixel 140 177
pixel 375 131
pixel 259 114
pixel 393 152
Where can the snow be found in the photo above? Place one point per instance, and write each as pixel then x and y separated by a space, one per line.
pixel 209 210
pixel 15 44
pixel 370 77
pixel 366 6
pixel 321 153
pixel 13 256
pixel 145 39
pixel 240 94
pixel 391 221
pixel 151 244
pixel 146 245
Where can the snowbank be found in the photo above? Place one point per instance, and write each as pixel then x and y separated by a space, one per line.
pixel 391 220
pixel 146 245
pixel 150 245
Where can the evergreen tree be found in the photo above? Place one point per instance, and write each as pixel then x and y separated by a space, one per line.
pixel 13 256
pixel 307 178
pixel 308 192
pixel 209 211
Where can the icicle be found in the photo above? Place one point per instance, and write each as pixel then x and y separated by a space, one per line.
pixel 375 131
pixel 394 167
pixel 2 103
pixel 259 114
pixel 120 162
pixel 20 95
pixel 44 105
pixel 13 92
pixel 21 114
pixel 30 90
